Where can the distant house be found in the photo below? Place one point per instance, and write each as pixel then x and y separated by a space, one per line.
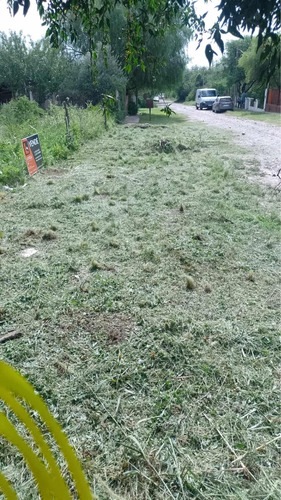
pixel 273 101
pixel 5 95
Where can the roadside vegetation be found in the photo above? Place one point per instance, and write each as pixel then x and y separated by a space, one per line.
pixel 272 118
pixel 189 103
pixel 149 312
pixel 21 118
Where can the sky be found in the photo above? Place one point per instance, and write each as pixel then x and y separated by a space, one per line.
pixel 31 26
pixel 197 57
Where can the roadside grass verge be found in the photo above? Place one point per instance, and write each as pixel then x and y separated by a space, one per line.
pixel 272 118
pixel 189 103
pixel 21 118
pixel 159 118
pixel 149 320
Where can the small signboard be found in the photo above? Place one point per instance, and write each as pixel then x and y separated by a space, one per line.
pixel 149 103
pixel 33 154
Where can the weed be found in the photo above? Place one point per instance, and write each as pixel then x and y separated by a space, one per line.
pixel 57 204
pixel 190 284
pixel 49 235
pixel 165 146
pixel 80 198
pixel 35 205
pixel 95 265
pixel 94 226
pixel 60 151
pixel 29 232
pixel 251 276
pixel 114 244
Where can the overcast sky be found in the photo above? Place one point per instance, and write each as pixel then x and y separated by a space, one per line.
pixel 31 26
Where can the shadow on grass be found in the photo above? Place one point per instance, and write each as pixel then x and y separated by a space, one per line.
pixel 159 118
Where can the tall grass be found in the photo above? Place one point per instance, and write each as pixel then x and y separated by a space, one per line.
pixel 21 118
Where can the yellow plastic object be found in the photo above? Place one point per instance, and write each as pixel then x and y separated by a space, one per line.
pixel 51 485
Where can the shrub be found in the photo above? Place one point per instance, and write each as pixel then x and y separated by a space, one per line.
pixel 11 175
pixel 60 152
pixel 20 110
pixel 142 102
pixel 132 108
pixel 21 118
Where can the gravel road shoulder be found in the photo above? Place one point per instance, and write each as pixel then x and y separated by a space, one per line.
pixel 261 141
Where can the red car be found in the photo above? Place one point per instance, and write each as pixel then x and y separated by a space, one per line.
pixel 223 103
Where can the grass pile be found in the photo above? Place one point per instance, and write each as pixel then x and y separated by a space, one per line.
pixel 149 321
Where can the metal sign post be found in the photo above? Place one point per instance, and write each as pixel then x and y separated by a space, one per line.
pixel 149 104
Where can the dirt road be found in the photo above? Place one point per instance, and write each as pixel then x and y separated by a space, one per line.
pixel 261 140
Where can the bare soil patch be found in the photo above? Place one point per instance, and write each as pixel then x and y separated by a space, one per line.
pixel 116 327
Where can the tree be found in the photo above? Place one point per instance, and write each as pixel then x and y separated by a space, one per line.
pixel 13 63
pixel 164 61
pixel 35 67
pixel 164 58
pixel 154 17
pixel 47 68
pixel 258 68
pixel 257 64
pixel 235 75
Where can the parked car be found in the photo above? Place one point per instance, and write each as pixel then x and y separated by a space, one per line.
pixel 223 103
pixel 156 98
pixel 205 98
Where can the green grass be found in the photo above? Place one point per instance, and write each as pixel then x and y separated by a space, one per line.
pixel 272 118
pixel 22 118
pixel 189 103
pixel 149 320
pixel 159 118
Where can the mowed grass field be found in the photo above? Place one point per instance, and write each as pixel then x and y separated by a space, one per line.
pixel 149 313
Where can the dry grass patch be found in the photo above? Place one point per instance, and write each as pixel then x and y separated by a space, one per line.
pixel 115 328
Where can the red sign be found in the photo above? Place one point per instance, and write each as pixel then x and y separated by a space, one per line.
pixel 33 154
pixel 149 103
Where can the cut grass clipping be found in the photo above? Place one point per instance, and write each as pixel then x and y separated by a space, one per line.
pixel 164 392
